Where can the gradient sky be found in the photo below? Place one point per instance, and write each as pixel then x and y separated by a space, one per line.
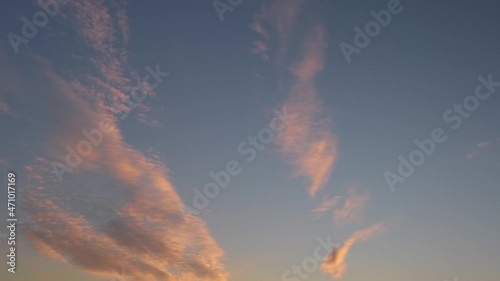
pixel 121 212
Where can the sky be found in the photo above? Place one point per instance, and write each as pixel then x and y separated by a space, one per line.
pixel 250 140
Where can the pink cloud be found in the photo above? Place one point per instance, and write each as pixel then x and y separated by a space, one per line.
pixel 483 144
pixel 148 230
pixel 307 141
pixel 261 48
pixel 346 209
pixel 173 244
pixel 4 107
pixel 335 263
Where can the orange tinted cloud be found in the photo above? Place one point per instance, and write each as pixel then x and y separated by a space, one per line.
pixel 335 263
pixel 307 141
pixel 104 28
pixel 141 228
pixel 149 232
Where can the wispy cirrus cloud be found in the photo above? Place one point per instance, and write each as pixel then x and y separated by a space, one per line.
pixel 307 143
pixel 274 24
pixel 147 228
pixel 104 28
pixel 326 205
pixel 347 208
pixel 4 107
pixel 260 47
pixel 335 263
pixel 352 207
pixel 483 145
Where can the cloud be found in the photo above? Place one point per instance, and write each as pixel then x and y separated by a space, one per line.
pixel 276 20
pixel 107 38
pixel 137 224
pixel 146 120
pixel 335 263
pixel 352 207
pixel 4 107
pixel 147 229
pixel 306 142
pixel 261 48
pixel 346 209
pixel 482 146
pixel 173 243
pixel 326 205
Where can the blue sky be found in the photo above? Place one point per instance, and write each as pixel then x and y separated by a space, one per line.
pixel 320 173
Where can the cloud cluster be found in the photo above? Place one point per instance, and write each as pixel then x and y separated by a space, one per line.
pixel 147 229
pixel 308 142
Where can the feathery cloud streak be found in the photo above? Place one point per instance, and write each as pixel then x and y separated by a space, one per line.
pixel 148 231
pixel 308 144
pixel 335 263
pixel 352 208
pixel 346 209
